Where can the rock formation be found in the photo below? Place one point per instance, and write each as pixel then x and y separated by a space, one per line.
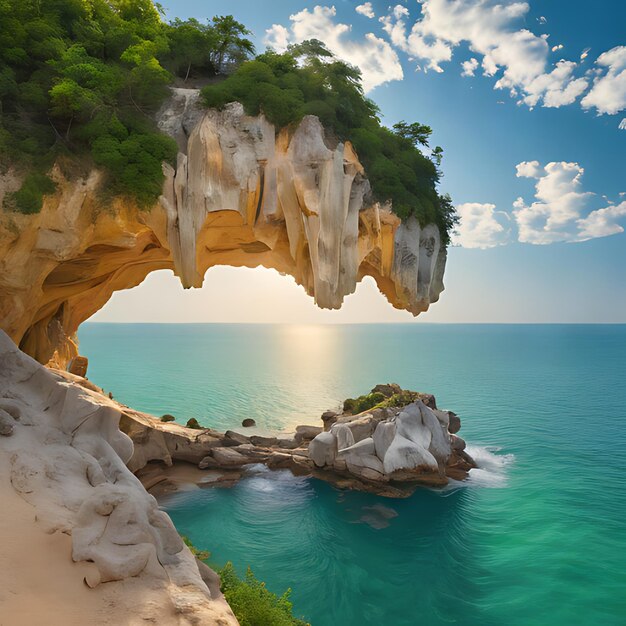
pixel 62 451
pixel 405 446
pixel 240 195
pixel 389 450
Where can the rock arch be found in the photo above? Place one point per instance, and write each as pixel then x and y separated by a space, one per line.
pixel 240 195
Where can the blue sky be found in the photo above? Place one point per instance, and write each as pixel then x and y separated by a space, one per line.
pixel 500 273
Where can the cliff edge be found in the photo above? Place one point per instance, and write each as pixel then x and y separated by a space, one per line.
pixel 241 194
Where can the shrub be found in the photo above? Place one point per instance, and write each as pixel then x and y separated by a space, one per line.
pixel 28 199
pixel 309 80
pixel 83 78
pixel 168 418
pixel 202 555
pixel 253 604
pixel 369 401
pixel 193 423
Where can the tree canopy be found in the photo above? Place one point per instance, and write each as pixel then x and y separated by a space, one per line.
pixel 308 79
pixel 83 78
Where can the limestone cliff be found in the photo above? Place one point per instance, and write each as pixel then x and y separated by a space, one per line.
pixel 240 195
pixel 61 451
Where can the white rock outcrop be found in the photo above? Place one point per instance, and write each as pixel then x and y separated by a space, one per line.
pixel 416 440
pixel 67 458
pixel 241 194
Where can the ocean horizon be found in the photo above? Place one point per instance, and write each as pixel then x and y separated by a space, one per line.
pixel 532 537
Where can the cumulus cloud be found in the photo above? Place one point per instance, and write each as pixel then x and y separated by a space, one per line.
pixel 480 226
pixel 492 29
pixel 469 67
pixel 366 9
pixel 603 222
pixel 608 93
pixel 561 211
pixel 277 37
pixel 374 56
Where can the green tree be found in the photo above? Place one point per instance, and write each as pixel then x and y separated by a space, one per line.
pixel 418 134
pixel 231 46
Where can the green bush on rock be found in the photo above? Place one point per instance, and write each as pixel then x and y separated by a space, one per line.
pixel 308 80
pixel 253 604
pixel 82 79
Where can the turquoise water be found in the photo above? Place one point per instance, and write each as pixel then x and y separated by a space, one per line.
pixel 538 536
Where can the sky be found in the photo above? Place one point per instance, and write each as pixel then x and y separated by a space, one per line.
pixel 526 99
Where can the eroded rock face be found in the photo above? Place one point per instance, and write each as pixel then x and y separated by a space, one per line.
pixel 67 458
pixel 239 195
pixel 408 445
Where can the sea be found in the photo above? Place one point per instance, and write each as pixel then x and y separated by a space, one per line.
pixel 535 536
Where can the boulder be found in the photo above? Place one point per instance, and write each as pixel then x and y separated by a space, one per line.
pixel 369 473
pixel 443 417
pixel 306 433
pixel 248 423
pixel 387 390
pixel 365 446
pixel 229 457
pixel 411 426
pixel 457 443
pixel 323 449
pixel 265 442
pixel 288 443
pixel 362 427
pixel 235 438
pixel 440 439
pixel 78 366
pixel 383 436
pixel 343 434
pixel 429 400
pixel 404 454
pixel 329 418
pixel 454 423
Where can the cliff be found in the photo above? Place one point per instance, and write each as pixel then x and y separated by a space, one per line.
pixel 241 195
pixel 63 475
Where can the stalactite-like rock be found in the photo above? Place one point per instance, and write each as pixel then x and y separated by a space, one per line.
pixel 240 195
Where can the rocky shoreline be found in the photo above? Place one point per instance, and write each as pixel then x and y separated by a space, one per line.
pixel 397 445
pixel 83 466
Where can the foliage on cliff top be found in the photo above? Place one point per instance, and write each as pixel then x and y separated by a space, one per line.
pixel 81 79
pixel 308 80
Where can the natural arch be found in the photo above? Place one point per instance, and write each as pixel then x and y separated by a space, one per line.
pixel 239 196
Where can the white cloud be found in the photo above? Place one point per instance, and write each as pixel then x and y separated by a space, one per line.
pixel 492 29
pixel 622 124
pixel 469 67
pixel 374 56
pixel 602 223
pixel 542 20
pixel 480 226
pixel 557 88
pixel 366 9
pixel 557 48
pixel 277 37
pixel 584 54
pixel 608 93
pixel 561 209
